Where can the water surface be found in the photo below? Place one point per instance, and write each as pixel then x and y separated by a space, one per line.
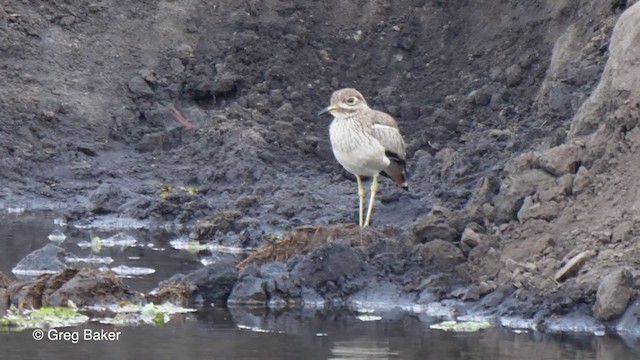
pixel 219 333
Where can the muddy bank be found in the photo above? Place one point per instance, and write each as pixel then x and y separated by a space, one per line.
pixel 521 143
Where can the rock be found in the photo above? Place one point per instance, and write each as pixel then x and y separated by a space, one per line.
pixel 90 287
pixel 439 254
pixel 622 232
pixel 614 293
pixel 84 287
pixel 470 237
pixel 629 321
pixel 544 242
pixel 544 211
pixel 249 291
pixel 480 97
pixel 139 87
pixel 515 188
pixel 560 160
pixel 224 221
pixel 514 75
pixel 67 20
pixel 5 281
pixel 334 262
pixel 170 291
pixel 618 82
pixel 560 101
pixel 107 198
pixel 444 118
pixel 432 227
pixel 48 258
pixel 526 204
pixel 583 181
pixel 573 265
pixel 211 283
pixel 184 51
pixel 224 84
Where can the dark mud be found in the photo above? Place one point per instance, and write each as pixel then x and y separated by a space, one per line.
pixel 517 157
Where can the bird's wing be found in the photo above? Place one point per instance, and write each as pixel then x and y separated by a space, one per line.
pixel 385 130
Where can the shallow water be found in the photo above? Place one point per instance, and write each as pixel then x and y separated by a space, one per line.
pixel 239 334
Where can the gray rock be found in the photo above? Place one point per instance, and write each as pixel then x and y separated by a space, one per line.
pixel 107 198
pixel 184 51
pixel 514 75
pixel 89 287
pixel 48 258
pixel 480 97
pixel 432 227
pixel 213 282
pixel 470 237
pixel 139 87
pixel 560 101
pixel 619 82
pixel 334 262
pixel 249 291
pixel 83 287
pixel 583 181
pixel 515 188
pixel 614 293
pixel 548 211
pixel 439 254
pixel 560 160
pixel 622 231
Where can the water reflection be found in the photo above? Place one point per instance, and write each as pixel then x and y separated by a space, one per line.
pixel 362 348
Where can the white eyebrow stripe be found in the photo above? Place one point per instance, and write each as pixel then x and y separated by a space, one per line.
pixel 380 126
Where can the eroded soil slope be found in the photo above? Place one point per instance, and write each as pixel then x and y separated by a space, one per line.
pixel 88 91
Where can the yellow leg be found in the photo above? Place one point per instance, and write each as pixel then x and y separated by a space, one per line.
pixel 372 198
pixel 361 195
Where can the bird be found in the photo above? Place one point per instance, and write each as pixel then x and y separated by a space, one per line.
pixel 366 142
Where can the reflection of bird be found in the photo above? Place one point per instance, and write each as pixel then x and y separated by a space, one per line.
pixel 366 142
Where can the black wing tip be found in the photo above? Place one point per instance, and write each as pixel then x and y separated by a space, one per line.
pixel 394 157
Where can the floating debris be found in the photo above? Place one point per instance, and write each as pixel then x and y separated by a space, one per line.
pixel 366 310
pixel 468 326
pixel 21 272
pixel 259 330
pixel 113 224
pixel 45 317
pixel 229 249
pixel 368 317
pixel 119 239
pixel 208 261
pixel 57 236
pixel 60 222
pixel 216 258
pixel 91 259
pixel 136 314
pixel 124 270
pixel 184 243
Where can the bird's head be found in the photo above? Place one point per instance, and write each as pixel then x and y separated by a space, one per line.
pixel 345 101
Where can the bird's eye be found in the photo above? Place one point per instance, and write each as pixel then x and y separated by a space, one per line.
pixel 351 101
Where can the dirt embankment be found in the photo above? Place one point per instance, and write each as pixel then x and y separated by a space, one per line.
pixel 481 90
